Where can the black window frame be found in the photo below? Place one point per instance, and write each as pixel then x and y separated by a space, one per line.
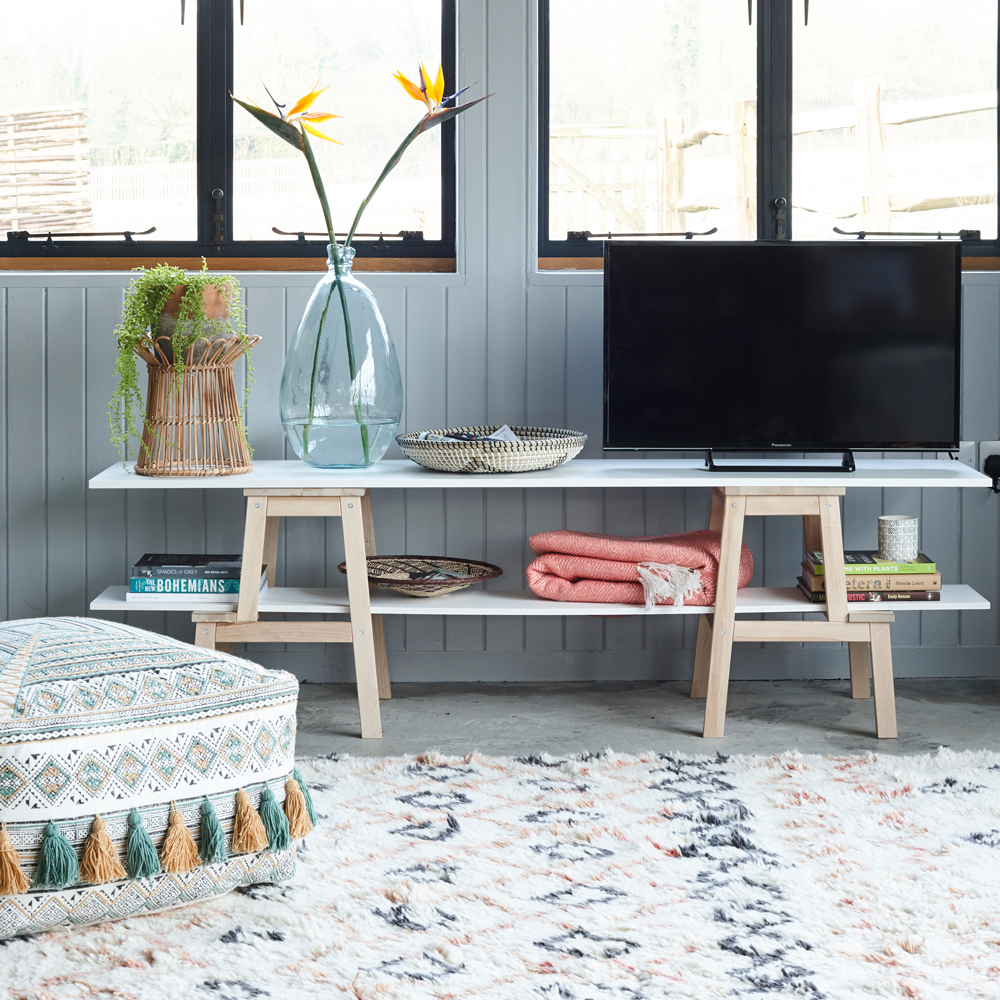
pixel 774 134
pixel 216 24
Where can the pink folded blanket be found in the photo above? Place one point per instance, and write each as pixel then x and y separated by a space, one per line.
pixel 607 569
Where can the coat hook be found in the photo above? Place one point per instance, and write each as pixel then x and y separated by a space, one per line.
pixel 807 13
pixel 182 12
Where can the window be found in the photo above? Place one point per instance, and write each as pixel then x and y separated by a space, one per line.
pixel 700 115
pixel 108 133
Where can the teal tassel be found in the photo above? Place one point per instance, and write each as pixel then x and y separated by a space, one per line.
pixel 57 863
pixel 275 821
pixel 141 858
pixel 213 840
pixel 310 808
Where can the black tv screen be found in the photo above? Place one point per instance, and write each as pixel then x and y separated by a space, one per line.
pixel 781 346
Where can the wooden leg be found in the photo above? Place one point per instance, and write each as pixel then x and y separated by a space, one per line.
pixel 270 554
pixel 860 669
pixel 885 695
pixel 725 616
pixel 224 647
pixel 702 657
pixel 204 635
pixel 361 618
pixel 253 558
pixel 378 632
pixel 833 558
pixel 812 537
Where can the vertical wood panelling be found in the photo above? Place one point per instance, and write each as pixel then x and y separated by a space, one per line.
pixel 26 462
pixel 5 499
pixel 585 366
pixel 106 535
pixel 65 451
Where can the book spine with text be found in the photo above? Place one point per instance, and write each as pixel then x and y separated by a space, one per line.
pixel 182 585
pixel 874 596
pixel 814 560
pixel 885 581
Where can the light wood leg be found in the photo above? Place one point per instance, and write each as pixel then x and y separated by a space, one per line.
pixel 703 648
pixel 833 558
pixel 860 670
pixel 702 657
pixel 378 632
pixel 361 618
pixel 224 647
pixel 204 635
pixel 270 554
pixel 885 695
pixel 725 616
pixel 253 558
pixel 812 537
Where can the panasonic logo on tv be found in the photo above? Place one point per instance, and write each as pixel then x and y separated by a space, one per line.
pixel 773 445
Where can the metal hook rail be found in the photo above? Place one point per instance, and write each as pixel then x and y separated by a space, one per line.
pixel 962 234
pixel 23 234
pixel 586 234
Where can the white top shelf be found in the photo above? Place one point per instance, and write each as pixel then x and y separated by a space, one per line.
pixel 472 601
pixel 611 472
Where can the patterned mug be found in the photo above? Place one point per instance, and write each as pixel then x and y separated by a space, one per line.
pixel 897 537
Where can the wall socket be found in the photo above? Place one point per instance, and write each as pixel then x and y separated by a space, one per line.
pixel 967 452
pixel 987 448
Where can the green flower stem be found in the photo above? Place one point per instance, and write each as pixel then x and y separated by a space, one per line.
pixel 386 170
pixel 352 365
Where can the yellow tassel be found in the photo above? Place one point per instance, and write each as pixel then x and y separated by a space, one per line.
pixel 12 879
pixel 179 853
pixel 100 857
pixel 248 831
pixel 299 823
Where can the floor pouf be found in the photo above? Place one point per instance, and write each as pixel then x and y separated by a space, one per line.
pixel 137 773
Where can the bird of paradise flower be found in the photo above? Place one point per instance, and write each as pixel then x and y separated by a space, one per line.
pixel 294 127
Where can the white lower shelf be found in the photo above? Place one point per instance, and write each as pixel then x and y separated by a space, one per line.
pixel 749 601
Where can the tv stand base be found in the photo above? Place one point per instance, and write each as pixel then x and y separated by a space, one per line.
pixel 766 465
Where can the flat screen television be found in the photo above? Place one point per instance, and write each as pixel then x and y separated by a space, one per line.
pixel 784 346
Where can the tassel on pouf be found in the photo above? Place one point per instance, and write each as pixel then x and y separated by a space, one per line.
pixel 296 810
pixel 179 853
pixel 213 840
pixel 57 863
pixel 310 809
pixel 140 851
pixel 12 879
pixel 100 861
pixel 275 822
pixel 248 830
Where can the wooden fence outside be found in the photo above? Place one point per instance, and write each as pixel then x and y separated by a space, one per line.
pixel 44 170
pixel 624 195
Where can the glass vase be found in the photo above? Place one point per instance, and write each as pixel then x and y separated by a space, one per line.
pixel 341 391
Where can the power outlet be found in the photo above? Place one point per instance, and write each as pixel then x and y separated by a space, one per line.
pixel 987 448
pixel 966 453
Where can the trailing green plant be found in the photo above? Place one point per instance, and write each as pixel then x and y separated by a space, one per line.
pixel 144 302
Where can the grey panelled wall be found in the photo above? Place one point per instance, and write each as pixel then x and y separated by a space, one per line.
pixel 495 342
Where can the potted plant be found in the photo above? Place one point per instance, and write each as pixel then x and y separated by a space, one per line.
pixel 189 330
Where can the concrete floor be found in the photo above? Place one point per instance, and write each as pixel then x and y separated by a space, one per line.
pixel 764 717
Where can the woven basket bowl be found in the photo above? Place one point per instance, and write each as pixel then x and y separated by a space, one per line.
pixel 407 574
pixel 539 448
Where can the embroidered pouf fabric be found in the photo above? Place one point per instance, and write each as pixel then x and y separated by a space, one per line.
pixel 137 773
pixel 608 569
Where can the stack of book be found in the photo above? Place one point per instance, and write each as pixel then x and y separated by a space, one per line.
pixel 203 579
pixel 870 579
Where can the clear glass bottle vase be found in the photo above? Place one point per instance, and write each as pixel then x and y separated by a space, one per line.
pixel 341 391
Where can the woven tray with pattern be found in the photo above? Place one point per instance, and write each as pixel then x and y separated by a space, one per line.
pixel 539 448
pixel 426 576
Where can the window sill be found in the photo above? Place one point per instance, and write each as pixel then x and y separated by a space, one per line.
pixel 391 265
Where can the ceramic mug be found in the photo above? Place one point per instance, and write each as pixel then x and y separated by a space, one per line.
pixel 897 537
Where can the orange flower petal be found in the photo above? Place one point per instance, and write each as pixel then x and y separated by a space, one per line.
pixel 306 102
pixel 437 91
pixel 316 132
pixel 317 116
pixel 411 88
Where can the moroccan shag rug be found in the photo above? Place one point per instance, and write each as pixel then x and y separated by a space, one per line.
pixel 588 878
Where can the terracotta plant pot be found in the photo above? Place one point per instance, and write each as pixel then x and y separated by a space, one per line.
pixel 215 307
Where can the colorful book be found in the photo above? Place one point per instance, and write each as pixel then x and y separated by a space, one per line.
pixel 867 561
pixel 884 581
pixel 195 589
pixel 873 596
pixel 161 564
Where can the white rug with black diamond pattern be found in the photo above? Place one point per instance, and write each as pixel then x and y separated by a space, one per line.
pixel 591 878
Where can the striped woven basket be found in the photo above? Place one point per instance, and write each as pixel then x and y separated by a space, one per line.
pixel 539 448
